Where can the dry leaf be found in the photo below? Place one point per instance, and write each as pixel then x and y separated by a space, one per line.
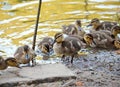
pixel 78 83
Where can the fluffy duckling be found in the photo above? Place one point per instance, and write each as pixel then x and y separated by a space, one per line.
pixel 10 61
pixel 69 29
pixel 68 46
pixel 78 25
pixel 117 41
pixel 99 39
pixel 73 29
pixel 97 25
pixel 115 30
pixel 24 54
pixel 45 46
pixel 117 44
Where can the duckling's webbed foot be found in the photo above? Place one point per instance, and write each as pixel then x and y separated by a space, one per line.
pixel 63 58
pixel 33 63
pixel 72 59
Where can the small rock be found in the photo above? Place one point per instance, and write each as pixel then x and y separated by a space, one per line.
pixel 91 69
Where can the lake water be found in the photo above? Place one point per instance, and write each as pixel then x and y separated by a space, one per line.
pixel 18 18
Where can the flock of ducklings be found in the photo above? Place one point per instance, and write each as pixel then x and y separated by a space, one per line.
pixel 73 38
pixel 101 35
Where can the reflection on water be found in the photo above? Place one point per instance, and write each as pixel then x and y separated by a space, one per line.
pixel 18 18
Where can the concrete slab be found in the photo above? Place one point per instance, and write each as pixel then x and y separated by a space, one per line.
pixel 37 74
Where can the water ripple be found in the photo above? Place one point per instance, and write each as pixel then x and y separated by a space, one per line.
pixel 16 18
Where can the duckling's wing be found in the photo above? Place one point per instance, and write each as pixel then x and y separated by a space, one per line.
pixel 109 38
pixel 108 25
pixel 73 44
pixel 76 44
pixel 66 44
pixel 19 50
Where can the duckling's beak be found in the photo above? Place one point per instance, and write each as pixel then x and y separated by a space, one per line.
pixel 112 36
pixel 89 25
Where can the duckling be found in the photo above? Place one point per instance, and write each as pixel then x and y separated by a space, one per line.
pixel 10 61
pixel 99 39
pixel 78 25
pixel 24 54
pixel 66 47
pixel 69 29
pixel 115 30
pixel 117 44
pixel 73 29
pixel 97 25
pixel 45 46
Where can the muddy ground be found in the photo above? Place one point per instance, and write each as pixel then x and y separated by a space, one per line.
pixel 99 68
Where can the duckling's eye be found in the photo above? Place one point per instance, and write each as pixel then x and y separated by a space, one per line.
pixel 59 36
pixel 88 37
pixel 93 21
pixel 45 48
pixel 13 60
pixel 118 30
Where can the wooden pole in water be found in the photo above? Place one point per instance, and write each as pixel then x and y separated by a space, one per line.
pixel 36 27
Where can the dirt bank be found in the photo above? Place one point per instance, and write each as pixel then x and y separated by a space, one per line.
pixel 97 69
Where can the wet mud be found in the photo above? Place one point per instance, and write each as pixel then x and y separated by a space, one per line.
pixel 98 69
